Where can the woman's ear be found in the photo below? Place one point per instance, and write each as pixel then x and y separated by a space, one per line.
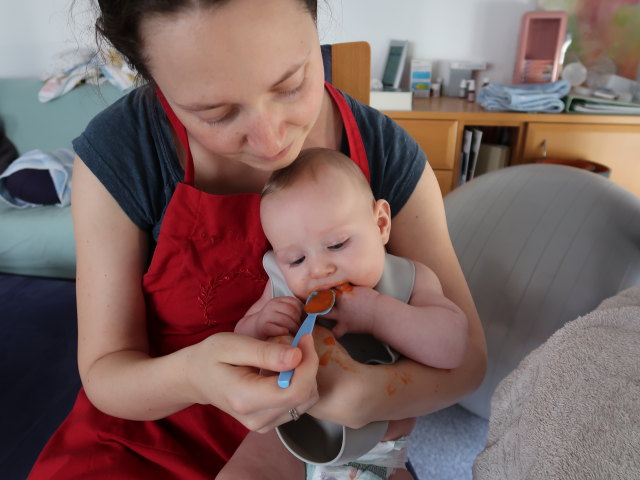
pixel 382 214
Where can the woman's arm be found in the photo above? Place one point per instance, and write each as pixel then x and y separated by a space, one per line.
pixel 406 389
pixel 118 374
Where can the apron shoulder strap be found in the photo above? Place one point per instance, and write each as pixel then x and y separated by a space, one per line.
pixel 356 146
pixel 181 132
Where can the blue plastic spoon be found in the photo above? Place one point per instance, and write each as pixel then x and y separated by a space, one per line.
pixel 284 379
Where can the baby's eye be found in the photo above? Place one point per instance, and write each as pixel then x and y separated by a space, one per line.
pixel 338 246
pixel 297 262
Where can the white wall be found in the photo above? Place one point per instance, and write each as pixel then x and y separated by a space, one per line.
pixel 32 32
pixel 485 30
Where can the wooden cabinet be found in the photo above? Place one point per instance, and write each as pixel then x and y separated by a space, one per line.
pixel 615 146
pixel 438 140
pixel 438 126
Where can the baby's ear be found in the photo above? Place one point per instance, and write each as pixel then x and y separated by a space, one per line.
pixel 382 213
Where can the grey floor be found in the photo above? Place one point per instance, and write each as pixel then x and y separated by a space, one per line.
pixel 444 444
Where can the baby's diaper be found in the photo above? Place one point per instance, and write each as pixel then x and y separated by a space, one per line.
pixel 379 463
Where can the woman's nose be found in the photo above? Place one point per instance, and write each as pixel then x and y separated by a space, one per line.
pixel 266 133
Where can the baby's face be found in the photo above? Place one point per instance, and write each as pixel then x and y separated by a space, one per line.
pixel 326 233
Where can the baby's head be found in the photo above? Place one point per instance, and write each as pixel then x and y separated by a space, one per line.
pixel 323 223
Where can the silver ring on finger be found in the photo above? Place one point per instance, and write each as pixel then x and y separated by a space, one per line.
pixel 294 414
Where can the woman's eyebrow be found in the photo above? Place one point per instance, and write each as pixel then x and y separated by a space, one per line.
pixel 289 73
pixel 199 107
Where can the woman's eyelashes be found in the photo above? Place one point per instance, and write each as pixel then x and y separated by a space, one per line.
pixel 292 91
pixel 233 112
pixel 226 118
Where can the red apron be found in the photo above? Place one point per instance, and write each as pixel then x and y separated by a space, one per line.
pixel 205 273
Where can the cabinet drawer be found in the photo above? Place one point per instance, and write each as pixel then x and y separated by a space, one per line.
pixel 615 146
pixel 436 137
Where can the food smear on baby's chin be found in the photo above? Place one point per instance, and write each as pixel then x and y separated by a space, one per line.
pixel 320 302
pixel 343 288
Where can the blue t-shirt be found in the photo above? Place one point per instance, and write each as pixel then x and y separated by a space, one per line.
pixel 130 149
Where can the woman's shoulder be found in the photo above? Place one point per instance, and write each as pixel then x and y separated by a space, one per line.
pixel 366 115
pixel 132 108
pixel 128 146
pixel 396 161
pixel 383 137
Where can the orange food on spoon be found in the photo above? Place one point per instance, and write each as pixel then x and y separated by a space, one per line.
pixel 321 301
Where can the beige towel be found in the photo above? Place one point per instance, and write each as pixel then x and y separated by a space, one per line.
pixel 571 410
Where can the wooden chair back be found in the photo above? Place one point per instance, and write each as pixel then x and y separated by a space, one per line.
pixel 351 69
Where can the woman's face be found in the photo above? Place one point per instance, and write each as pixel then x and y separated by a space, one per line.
pixel 245 79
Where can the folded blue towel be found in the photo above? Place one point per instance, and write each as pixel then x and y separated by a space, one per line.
pixel 537 97
pixel 59 164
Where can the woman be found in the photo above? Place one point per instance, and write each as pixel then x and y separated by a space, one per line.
pixel 165 207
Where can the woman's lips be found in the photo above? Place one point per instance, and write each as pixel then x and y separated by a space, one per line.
pixel 281 154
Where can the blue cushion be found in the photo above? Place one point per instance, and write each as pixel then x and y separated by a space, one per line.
pixel 38 366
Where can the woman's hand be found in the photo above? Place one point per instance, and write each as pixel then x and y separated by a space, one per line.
pixel 224 370
pixel 342 384
pixel 354 394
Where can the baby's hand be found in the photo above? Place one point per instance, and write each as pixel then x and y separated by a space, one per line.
pixel 354 311
pixel 279 316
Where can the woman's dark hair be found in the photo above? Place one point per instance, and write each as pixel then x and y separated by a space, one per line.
pixel 118 21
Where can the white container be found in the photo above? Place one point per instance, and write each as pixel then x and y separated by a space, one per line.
pixel 391 100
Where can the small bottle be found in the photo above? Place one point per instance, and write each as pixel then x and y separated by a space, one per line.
pixel 435 90
pixel 471 91
pixel 463 88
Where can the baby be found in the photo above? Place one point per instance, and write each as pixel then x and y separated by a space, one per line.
pixel 327 231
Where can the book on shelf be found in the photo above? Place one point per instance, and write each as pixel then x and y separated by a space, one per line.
pixel 465 154
pixel 492 157
pixel 469 155
pixel 595 105
pixel 476 141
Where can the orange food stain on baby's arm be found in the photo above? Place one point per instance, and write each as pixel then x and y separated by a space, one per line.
pixel 324 359
pixel 344 365
pixel 397 379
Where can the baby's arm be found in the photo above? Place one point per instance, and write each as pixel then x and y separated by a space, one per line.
pixel 430 329
pixel 270 317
